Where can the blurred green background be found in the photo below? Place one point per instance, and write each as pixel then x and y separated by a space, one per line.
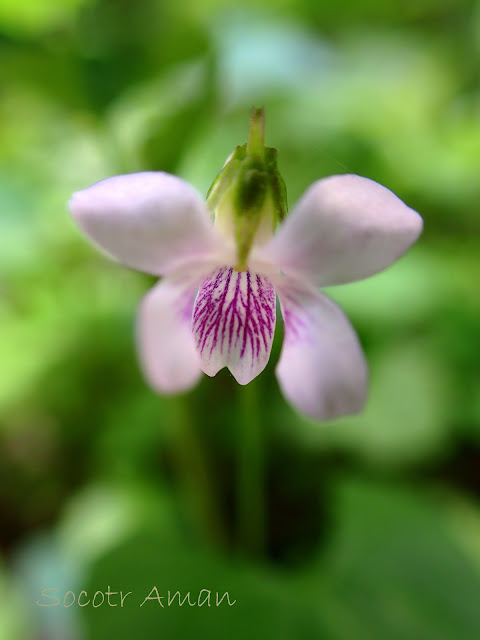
pixel 369 526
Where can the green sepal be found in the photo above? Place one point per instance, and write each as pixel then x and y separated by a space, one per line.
pixel 249 193
pixel 225 178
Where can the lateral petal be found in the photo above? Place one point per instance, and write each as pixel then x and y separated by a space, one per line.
pixel 344 228
pixel 151 221
pixel 168 355
pixel 322 369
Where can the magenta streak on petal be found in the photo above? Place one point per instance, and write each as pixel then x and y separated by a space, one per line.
pixel 184 305
pixel 208 310
pixel 184 302
pixel 234 316
pixel 296 314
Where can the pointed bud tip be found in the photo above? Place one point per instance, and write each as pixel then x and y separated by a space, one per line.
pixel 248 197
pixel 256 132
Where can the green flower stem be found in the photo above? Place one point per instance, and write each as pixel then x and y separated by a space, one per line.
pixel 256 133
pixel 197 484
pixel 250 474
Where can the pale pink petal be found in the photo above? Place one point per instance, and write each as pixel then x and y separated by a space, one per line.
pixel 150 221
pixel 344 228
pixel 234 322
pixel 167 350
pixel 322 369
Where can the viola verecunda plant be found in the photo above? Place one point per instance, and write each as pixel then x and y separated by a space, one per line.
pixel 224 262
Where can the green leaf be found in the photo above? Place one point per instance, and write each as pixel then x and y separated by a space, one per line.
pixel 394 569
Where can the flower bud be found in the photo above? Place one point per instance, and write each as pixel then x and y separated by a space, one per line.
pixel 248 197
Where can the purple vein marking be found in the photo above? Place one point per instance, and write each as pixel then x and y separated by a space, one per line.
pixel 234 315
pixel 298 313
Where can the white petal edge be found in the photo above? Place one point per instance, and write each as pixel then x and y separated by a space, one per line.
pixel 150 221
pixel 344 228
pixel 234 322
pixel 322 369
pixel 167 351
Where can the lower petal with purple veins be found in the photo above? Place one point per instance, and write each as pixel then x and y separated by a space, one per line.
pixel 234 322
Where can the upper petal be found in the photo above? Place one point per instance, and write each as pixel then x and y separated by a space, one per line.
pixel 344 228
pixel 234 323
pixel 322 369
pixel 151 221
pixel 167 350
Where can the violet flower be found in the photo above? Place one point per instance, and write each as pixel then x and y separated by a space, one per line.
pixel 215 306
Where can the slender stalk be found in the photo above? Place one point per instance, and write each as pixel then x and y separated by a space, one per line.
pixel 250 474
pixel 256 133
pixel 196 479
